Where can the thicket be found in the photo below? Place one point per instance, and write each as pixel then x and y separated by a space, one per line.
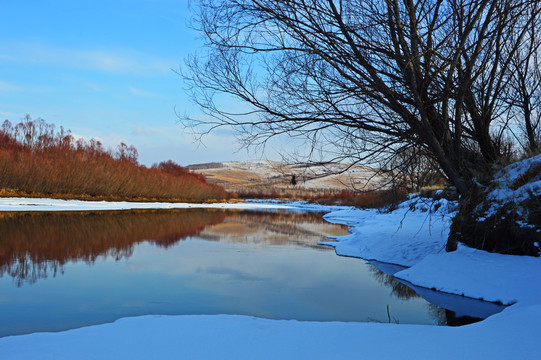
pixel 366 200
pixel 38 159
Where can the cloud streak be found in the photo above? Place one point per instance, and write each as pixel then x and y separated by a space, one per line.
pixel 140 92
pixel 125 62
pixel 5 86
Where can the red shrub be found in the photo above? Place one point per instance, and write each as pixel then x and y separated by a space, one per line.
pixel 35 158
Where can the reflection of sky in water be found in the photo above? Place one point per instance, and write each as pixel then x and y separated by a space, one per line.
pixel 202 277
pixel 197 276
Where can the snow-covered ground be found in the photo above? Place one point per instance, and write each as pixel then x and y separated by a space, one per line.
pixel 30 204
pixel 413 235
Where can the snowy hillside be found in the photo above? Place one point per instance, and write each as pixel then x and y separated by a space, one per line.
pixel 505 215
pixel 257 174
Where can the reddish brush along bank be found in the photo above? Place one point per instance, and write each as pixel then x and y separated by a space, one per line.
pixel 372 199
pixel 36 158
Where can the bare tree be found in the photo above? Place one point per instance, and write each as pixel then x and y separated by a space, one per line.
pixel 412 168
pixel 368 77
pixel 525 87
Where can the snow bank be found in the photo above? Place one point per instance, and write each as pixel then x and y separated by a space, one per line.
pixel 478 274
pixel 505 178
pixel 505 215
pixel 503 190
pixel 419 226
pixel 415 234
pixel 241 337
pixel 29 204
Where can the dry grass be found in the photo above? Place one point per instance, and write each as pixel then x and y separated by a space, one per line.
pixel 235 179
pixel 532 174
pixel 276 177
pixel 273 182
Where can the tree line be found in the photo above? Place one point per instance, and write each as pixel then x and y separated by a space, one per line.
pixel 38 159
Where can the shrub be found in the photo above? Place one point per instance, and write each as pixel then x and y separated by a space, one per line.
pixel 370 199
pixel 36 159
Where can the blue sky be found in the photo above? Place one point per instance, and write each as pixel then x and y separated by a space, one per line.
pixel 104 70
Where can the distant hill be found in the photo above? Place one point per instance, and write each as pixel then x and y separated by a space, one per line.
pixel 266 176
pixel 205 166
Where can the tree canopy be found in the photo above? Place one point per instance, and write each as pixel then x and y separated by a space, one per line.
pixel 458 79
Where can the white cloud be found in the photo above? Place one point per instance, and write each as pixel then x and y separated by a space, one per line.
pixel 98 87
pixel 105 60
pixel 139 92
pixel 5 86
pixel 11 114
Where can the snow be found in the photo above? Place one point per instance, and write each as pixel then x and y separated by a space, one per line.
pixel 508 174
pixel 30 204
pixel 412 235
pixel 502 191
pixel 241 337
pixel 492 277
pixel 419 227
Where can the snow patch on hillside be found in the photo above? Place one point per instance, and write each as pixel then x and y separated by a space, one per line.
pixel 308 176
pixel 505 189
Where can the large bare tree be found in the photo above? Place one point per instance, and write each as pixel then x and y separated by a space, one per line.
pixel 372 76
pixel 525 87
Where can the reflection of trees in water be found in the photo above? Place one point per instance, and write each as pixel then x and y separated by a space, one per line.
pixel 440 315
pixel 404 292
pixel 36 245
pixel 449 317
pixel 453 320
pixel 398 289
pixel 33 246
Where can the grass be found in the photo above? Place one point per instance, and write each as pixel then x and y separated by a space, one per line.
pixel 533 173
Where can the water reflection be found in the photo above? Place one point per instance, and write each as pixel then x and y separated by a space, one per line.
pixel 448 309
pixel 398 289
pixel 192 261
pixel 36 245
pixel 476 310
pixel 274 228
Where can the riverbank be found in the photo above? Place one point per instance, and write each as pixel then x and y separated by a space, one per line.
pixel 412 235
pixel 16 204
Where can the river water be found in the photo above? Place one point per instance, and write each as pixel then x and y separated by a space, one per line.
pixel 61 271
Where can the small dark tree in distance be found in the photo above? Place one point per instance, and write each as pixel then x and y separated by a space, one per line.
pixel 293 180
